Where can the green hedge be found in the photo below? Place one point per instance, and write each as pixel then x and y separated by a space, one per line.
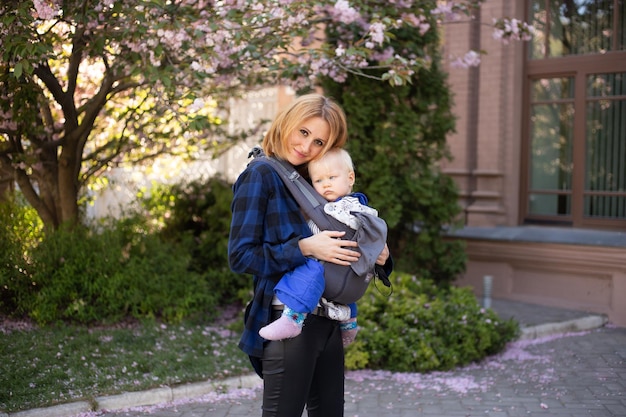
pixel 422 327
pixel 85 276
pixel 21 230
pixel 167 260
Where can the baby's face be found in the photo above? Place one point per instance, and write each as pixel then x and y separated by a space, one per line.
pixel 331 178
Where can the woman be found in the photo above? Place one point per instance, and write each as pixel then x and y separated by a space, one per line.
pixel 269 237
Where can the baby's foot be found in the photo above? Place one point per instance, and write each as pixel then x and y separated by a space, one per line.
pixel 283 328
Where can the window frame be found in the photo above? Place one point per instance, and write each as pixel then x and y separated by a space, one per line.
pixel 578 67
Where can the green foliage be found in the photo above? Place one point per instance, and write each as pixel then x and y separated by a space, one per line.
pixel 357 356
pixel 422 327
pixel 20 231
pixel 169 264
pixel 86 276
pixel 397 139
pixel 197 215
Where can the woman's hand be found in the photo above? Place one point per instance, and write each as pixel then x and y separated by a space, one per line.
pixel 384 255
pixel 328 246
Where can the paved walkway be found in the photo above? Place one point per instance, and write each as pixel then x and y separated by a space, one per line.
pixel 567 364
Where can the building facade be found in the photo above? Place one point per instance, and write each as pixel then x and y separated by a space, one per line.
pixel 540 154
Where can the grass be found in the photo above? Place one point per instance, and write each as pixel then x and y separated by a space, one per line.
pixel 45 366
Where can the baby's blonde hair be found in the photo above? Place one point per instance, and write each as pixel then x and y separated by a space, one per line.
pixel 340 154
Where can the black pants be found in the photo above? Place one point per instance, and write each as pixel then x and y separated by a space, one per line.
pixel 308 369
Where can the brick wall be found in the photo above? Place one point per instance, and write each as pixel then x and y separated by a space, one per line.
pixel 486 164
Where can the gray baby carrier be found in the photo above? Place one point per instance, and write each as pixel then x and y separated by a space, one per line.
pixel 343 284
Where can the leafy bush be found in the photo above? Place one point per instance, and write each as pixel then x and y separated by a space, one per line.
pixel 20 231
pixel 422 327
pixel 197 215
pixel 86 276
pixel 167 260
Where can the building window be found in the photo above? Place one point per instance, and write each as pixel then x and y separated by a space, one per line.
pixel 577 27
pixel 605 152
pixel 575 148
pixel 552 117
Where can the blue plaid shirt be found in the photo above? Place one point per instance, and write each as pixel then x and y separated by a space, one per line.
pixel 265 230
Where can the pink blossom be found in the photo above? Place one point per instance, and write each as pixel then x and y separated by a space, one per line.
pixel 44 10
pixel 297 20
pixel 506 30
pixel 471 59
pixel 385 55
pixel 344 13
pixel 377 32
pixel 197 105
pixel 402 3
pixel 416 21
pixel 447 11
pixel 277 13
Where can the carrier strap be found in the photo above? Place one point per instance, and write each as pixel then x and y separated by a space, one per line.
pixel 308 199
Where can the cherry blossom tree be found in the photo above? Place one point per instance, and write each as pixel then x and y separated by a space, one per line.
pixel 90 84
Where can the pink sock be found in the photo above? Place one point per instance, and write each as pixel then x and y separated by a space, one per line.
pixel 283 328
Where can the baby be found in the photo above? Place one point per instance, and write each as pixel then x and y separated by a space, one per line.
pixel 300 290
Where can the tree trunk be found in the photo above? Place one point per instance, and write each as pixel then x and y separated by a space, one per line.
pixel 67 185
pixel 6 184
pixel 47 215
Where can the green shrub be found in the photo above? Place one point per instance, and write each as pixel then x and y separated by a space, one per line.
pixel 71 269
pixel 20 231
pixel 422 327
pixel 197 214
pixel 168 261
pixel 85 276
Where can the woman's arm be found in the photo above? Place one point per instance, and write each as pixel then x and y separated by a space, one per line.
pixel 382 258
pixel 386 261
pixel 266 226
pixel 328 246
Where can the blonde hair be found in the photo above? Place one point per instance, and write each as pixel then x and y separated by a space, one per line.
pixel 304 108
pixel 338 153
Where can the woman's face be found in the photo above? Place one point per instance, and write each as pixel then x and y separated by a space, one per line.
pixel 307 141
